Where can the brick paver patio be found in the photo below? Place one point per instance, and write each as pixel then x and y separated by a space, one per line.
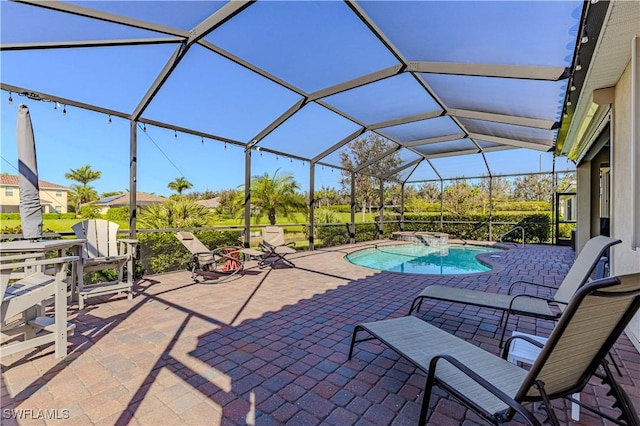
pixel 270 348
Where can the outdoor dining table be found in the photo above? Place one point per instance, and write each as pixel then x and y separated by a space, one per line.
pixel 42 246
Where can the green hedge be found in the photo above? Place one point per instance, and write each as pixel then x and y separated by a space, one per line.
pixel 340 208
pixel 16 216
pixel 162 252
pixel 537 226
pixel 521 206
pixel 118 214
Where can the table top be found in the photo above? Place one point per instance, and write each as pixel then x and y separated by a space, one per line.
pixel 44 245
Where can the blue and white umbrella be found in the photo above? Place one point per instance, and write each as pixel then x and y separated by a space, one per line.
pixel 30 207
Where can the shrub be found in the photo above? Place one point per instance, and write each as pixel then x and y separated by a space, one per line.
pixel 521 206
pixel 536 226
pixel 162 252
pixel 340 208
pixel 178 213
pixel 90 211
pixel 120 214
pixel 329 235
pixel 475 226
pixel 10 216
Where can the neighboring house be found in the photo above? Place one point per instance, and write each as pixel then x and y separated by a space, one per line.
pixel 142 200
pixel 211 203
pixel 53 197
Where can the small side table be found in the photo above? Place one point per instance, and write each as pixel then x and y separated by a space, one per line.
pixel 523 351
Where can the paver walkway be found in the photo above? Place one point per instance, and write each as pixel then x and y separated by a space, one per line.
pixel 269 348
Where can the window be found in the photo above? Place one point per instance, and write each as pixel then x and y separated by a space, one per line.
pixel 8 190
pixel 58 209
pixel 58 193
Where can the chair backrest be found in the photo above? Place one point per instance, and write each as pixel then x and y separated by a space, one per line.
pixel 194 245
pixel 101 236
pixel 273 235
pixel 583 267
pixel 191 242
pixel 586 331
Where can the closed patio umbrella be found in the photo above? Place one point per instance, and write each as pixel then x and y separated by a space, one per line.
pixel 30 208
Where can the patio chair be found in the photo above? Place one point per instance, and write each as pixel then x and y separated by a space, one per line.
pixel 274 245
pixel 221 262
pixel 495 388
pixel 104 250
pixel 526 304
pixel 24 286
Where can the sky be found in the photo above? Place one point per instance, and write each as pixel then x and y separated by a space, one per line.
pixel 209 93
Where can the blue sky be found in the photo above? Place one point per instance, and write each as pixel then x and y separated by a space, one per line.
pixel 289 40
pixel 84 137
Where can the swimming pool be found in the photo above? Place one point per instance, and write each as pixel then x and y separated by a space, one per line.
pixel 423 259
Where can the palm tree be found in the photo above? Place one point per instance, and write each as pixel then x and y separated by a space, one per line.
pixel 180 213
pixel 83 193
pixel 179 184
pixel 272 195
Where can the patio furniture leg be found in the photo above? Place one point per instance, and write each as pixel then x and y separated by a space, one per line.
pixel 416 305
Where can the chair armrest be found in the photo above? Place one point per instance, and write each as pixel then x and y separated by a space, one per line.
pixel 127 246
pixel 521 296
pixel 55 260
pixel 291 244
pixel 534 342
pixel 511 286
pixel 516 406
pixel 22 256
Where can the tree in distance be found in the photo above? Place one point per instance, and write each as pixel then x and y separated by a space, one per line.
pixel 82 193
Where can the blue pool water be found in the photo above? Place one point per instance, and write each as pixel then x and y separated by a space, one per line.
pixel 422 259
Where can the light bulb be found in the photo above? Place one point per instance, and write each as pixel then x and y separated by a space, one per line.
pixel 10 99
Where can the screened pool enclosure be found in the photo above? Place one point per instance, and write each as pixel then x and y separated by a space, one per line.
pixel 458 90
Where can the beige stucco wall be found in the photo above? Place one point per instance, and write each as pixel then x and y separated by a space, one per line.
pixel 624 259
pixel 583 226
pixel 56 198
pixel 11 202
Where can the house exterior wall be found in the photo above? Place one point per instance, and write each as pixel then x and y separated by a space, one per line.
pixel 583 226
pixel 625 260
pixel 53 197
pixel 9 199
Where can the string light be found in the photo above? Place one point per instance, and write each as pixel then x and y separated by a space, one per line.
pixel 56 105
pixel 109 118
pixel 64 111
pixel 144 127
pixel 276 157
pixel 225 146
pixel 201 140
pixel 10 99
